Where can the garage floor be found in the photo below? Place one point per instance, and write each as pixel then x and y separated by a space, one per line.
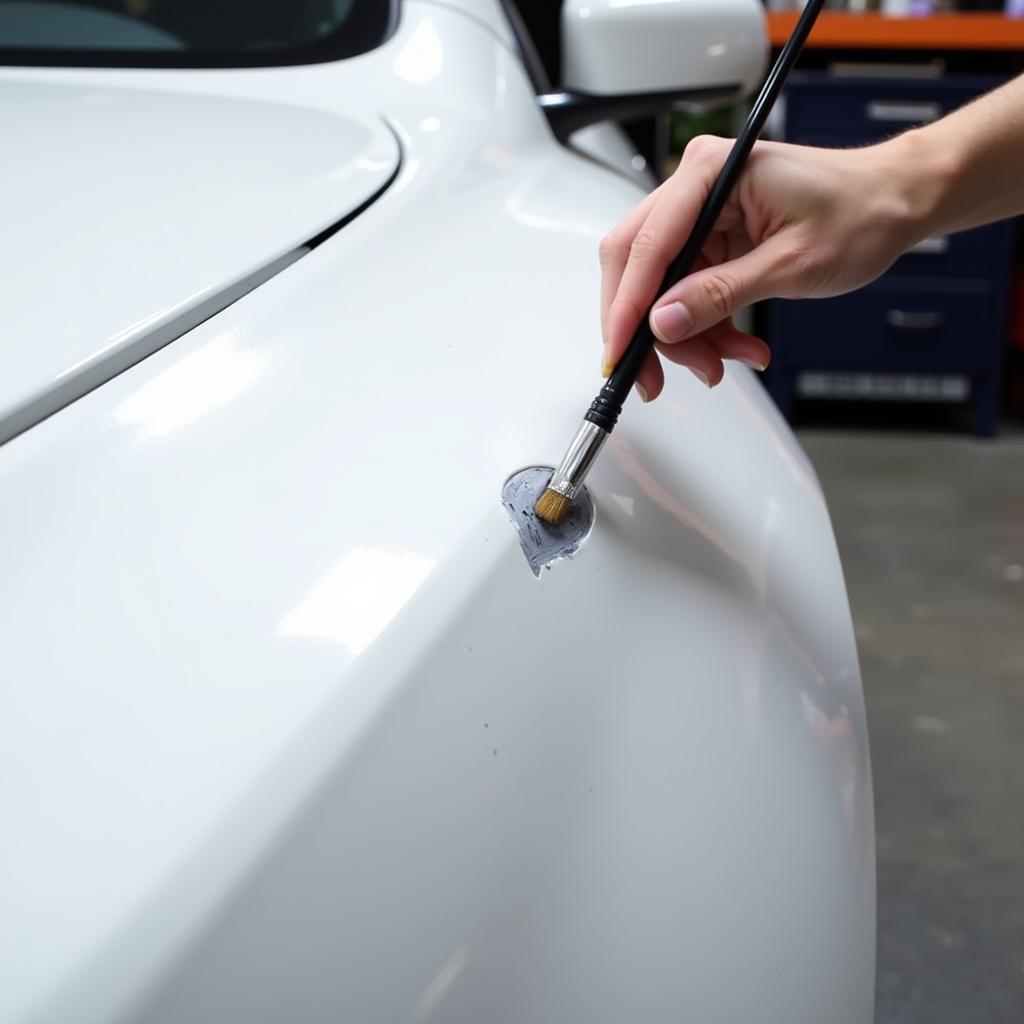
pixel 931 531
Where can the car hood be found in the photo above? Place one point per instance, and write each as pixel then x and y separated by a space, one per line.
pixel 132 215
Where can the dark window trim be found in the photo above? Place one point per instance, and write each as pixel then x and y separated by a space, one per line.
pixel 375 24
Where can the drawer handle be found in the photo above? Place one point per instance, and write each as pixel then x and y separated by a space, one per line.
pixel 883 110
pixel 905 320
pixel 937 245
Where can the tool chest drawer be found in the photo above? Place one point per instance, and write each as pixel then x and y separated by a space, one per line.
pixel 871 108
pixel 974 254
pixel 889 326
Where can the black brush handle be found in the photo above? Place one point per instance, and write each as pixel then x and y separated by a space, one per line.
pixel 604 412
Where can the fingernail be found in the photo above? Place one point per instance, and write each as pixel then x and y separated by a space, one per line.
pixel 700 376
pixel 606 363
pixel 673 322
pixel 753 365
pixel 643 394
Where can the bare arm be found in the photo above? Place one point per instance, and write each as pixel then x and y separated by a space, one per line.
pixel 975 158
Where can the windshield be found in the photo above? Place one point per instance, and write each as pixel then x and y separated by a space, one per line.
pixel 190 33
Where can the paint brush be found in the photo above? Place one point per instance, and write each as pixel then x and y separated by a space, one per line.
pixel 603 413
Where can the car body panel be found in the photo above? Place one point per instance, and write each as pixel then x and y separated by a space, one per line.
pixel 290 727
pixel 127 208
pixel 489 13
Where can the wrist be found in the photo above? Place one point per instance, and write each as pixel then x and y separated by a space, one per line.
pixel 923 172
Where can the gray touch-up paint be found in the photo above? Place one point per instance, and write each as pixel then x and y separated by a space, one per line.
pixel 543 543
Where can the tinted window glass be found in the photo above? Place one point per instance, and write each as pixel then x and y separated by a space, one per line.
pixel 190 33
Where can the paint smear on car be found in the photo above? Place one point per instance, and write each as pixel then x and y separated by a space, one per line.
pixel 542 543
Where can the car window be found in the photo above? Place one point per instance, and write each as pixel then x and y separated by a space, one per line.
pixel 190 33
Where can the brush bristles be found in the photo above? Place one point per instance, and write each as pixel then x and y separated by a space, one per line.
pixel 553 507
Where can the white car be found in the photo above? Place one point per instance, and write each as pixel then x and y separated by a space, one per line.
pixel 289 730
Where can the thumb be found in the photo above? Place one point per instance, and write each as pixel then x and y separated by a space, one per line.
pixel 710 296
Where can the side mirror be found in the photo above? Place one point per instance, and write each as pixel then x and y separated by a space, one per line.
pixel 626 59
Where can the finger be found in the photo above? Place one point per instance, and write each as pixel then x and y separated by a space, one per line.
pixel 612 354
pixel 651 378
pixel 614 250
pixel 620 325
pixel 706 298
pixel 732 343
pixel 659 238
pixel 705 352
pixel 698 356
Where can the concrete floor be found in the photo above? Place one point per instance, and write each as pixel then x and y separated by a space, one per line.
pixel 931 532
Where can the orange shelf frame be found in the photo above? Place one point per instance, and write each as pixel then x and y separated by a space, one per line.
pixel 835 30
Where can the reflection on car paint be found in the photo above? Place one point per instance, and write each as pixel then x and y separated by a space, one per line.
pixel 190 388
pixel 353 602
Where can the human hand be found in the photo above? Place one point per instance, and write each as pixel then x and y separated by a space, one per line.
pixel 801 222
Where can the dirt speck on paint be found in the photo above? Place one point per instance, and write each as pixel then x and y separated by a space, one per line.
pixel 542 543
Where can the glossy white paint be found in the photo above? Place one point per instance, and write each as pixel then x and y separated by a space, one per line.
pixel 613 47
pixel 126 208
pixel 488 13
pixel 610 145
pixel 291 731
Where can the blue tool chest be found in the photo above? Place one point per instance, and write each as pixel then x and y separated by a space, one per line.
pixel 931 329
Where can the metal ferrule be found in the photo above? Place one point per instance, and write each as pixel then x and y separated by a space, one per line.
pixel 573 469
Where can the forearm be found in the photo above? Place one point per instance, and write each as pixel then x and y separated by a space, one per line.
pixel 967 169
